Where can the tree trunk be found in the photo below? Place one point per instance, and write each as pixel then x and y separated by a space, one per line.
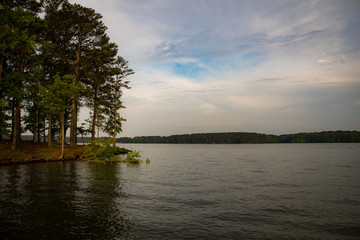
pixel 16 130
pixel 115 119
pixel 49 131
pixel 38 126
pixel 76 111
pixel 35 132
pixel 35 120
pixel 13 118
pixel 98 132
pixel 43 133
pixel 2 60
pixel 18 111
pixel 65 130
pixel 94 117
pixel 73 99
pixel 62 135
pixel 73 122
pixel 98 127
pixel 114 130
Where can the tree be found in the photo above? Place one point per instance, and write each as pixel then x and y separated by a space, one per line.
pixel 100 120
pixel 97 65
pixel 22 33
pixel 88 28
pixel 57 51
pixel 72 30
pixel 122 72
pixel 82 131
pixel 113 125
pixel 9 19
pixel 54 98
pixel 71 40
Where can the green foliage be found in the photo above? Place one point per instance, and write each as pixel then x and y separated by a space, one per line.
pixel 132 157
pixel 2 103
pixel 4 118
pixel 103 151
pixel 55 96
pixel 70 40
pixel 109 126
pixel 20 29
pixel 100 150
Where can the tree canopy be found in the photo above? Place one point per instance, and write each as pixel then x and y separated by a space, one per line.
pixel 55 58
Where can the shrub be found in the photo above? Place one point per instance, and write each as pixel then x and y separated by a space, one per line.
pixel 132 157
pixel 100 150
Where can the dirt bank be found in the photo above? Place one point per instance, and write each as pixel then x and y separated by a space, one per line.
pixel 28 151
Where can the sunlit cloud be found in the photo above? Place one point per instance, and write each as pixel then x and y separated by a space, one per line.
pixel 325 61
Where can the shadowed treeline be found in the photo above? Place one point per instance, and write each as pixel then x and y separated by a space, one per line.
pixel 244 137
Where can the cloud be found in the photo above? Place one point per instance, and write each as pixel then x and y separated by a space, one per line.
pixel 325 61
pixel 205 66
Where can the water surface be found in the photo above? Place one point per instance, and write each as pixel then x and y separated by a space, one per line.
pixel 269 191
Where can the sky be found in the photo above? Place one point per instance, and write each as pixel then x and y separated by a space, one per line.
pixel 237 66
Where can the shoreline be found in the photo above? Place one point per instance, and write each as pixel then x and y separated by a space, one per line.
pixel 339 136
pixel 30 152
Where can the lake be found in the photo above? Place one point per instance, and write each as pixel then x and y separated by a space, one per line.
pixel 260 191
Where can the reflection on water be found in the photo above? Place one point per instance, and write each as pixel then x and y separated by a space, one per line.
pixel 62 200
pixel 269 191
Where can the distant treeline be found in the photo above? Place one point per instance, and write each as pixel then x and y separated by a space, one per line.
pixel 244 137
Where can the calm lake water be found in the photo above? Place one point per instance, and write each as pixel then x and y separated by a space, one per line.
pixel 270 191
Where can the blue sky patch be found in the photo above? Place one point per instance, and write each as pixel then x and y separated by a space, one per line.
pixel 190 70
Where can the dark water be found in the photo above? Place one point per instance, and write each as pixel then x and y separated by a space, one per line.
pixel 274 191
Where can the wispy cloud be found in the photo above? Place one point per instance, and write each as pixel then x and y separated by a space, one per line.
pixel 265 66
